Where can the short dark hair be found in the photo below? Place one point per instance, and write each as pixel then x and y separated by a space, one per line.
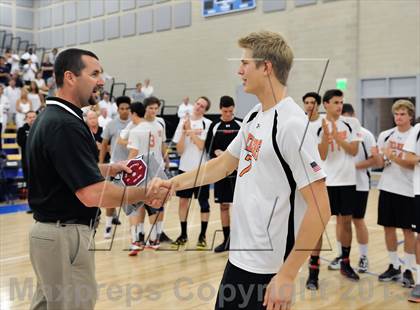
pixel 138 108
pixel 314 95
pixel 122 99
pixel 226 102
pixel 332 93
pixel 70 60
pixel 347 108
pixel 151 100
pixel 208 102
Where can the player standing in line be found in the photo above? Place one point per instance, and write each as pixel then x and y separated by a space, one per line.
pixel 396 197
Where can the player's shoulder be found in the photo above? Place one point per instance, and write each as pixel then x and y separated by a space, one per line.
pixel 252 113
pixel 387 133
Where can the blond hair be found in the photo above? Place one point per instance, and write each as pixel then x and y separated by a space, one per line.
pixel 272 47
pixel 404 104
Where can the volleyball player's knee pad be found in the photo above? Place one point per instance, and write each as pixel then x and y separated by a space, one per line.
pixel 204 206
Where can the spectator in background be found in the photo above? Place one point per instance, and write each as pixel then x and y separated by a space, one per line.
pixel 103 118
pixel 47 68
pixel 4 107
pixel 23 105
pixel 137 95
pixel 53 55
pixel 111 107
pixel 95 129
pixel 35 97
pixel 147 89
pixel 185 108
pixel 29 71
pixel 4 71
pixel 29 55
pixel 52 86
pixel 22 135
pixel 16 75
pixel 13 94
pixel 14 62
pixel 40 82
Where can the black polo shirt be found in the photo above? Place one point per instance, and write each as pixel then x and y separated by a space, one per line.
pixel 221 134
pixel 61 154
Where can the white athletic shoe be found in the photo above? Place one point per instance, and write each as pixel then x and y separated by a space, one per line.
pixel 108 232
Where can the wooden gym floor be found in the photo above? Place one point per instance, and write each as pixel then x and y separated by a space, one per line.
pixel 188 279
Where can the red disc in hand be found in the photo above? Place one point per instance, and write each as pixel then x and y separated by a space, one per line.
pixel 138 172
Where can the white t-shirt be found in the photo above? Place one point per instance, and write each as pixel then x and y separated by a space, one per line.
pixel 192 157
pixel 147 138
pixel 183 109
pixel 36 101
pixel 365 151
pixel 395 179
pixel 13 94
pixel 339 165
pixel 270 172
pixel 29 71
pixel 103 122
pixel 4 107
pixel 147 91
pixel 313 127
pixel 412 145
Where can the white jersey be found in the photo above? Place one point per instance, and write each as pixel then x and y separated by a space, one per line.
pixel 314 126
pixel 412 145
pixel 147 138
pixel 192 157
pixel 395 179
pixel 339 165
pixel 365 151
pixel 267 206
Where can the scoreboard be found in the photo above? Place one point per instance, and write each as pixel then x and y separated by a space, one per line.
pixel 217 7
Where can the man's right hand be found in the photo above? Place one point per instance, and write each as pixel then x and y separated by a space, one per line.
pixel 159 191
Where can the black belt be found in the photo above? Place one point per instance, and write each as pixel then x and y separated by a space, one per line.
pixel 63 223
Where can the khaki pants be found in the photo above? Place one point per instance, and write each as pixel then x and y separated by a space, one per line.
pixel 64 267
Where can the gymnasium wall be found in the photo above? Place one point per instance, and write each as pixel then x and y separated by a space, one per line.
pixel 186 54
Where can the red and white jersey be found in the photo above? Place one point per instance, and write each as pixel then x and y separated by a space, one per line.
pixel 147 138
pixel 267 206
pixel 192 157
pixel 412 145
pixel 366 146
pixel 395 178
pixel 339 165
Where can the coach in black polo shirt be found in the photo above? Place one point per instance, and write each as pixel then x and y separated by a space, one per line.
pixel 66 185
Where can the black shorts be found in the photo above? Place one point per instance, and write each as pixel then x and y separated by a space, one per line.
pixel 359 209
pixel 200 192
pixel 342 199
pixel 224 189
pixel 151 211
pixel 395 210
pixel 241 289
pixel 416 217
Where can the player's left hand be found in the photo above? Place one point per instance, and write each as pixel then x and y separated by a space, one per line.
pixel 279 293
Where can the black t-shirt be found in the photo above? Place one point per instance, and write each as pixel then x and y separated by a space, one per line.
pixel 4 79
pixel 61 154
pixel 98 138
pixel 221 134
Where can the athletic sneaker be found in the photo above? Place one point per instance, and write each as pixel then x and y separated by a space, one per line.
pixel 347 271
pixel 222 247
pixel 201 243
pixel 407 279
pixel 181 240
pixel 363 264
pixel 164 238
pixel 391 274
pixel 116 221
pixel 335 264
pixel 135 247
pixel 415 294
pixel 154 244
pixel 108 232
pixel 312 282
